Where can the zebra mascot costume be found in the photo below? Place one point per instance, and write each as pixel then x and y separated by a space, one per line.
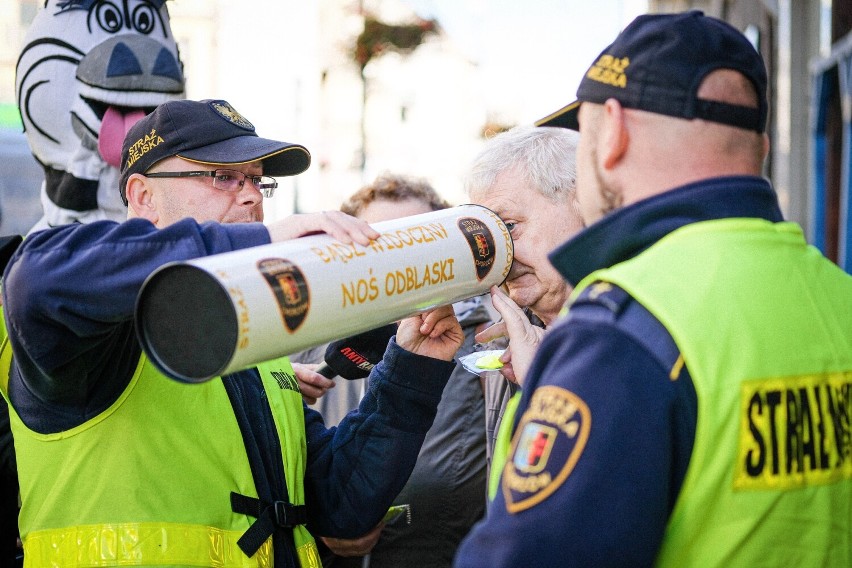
pixel 88 71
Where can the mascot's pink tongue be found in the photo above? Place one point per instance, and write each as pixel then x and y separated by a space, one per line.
pixel 114 126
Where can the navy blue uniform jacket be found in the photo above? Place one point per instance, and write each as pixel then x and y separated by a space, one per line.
pixel 612 507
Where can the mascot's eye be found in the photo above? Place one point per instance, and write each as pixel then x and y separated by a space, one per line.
pixel 109 17
pixel 144 19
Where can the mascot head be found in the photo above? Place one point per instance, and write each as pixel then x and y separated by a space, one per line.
pixel 88 71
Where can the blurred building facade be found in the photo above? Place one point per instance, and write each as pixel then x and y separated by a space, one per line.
pixel 289 67
pixel 422 115
pixel 15 18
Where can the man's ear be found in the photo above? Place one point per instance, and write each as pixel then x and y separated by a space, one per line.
pixel 613 138
pixel 140 198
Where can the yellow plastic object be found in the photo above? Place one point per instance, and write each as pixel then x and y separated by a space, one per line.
pixel 490 361
pixel 396 511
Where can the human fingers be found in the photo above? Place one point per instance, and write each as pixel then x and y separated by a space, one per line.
pixel 339 225
pixel 348 229
pixel 524 337
pixel 440 321
pixel 354 546
pixel 312 385
pixel 515 321
pixel 435 333
pixel 492 332
pixel 508 370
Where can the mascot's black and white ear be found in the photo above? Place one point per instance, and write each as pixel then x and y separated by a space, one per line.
pixel 84 77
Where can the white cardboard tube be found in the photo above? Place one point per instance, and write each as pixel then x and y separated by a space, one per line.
pixel 222 313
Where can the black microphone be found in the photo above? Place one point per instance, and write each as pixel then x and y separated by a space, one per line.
pixel 354 357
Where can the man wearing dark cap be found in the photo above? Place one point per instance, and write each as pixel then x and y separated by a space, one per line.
pixel 121 465
pixel 694 407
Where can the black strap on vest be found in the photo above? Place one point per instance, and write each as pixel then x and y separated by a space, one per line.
pixel 270 518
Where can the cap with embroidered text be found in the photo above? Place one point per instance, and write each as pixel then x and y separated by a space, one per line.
pixel 206 132
pixel 657 64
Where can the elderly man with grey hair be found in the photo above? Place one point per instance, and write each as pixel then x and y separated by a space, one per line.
pixel 527 175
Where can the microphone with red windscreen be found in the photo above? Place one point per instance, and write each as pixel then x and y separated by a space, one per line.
pixel 354 357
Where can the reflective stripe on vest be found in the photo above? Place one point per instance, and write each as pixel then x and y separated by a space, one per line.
pixel 131 544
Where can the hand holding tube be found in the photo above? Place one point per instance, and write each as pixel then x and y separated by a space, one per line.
pixel 339 225
pixel 435 333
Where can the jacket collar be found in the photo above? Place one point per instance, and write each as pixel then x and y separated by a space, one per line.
pixel 625 233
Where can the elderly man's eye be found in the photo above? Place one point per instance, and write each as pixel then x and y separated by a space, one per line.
pixel 510 226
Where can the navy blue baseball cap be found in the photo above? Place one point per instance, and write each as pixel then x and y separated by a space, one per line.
pixel 657 64
pixel 206 132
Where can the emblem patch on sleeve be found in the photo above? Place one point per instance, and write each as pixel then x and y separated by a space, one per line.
pixel 546 446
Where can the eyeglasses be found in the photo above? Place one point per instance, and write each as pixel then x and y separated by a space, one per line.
pixel 226 180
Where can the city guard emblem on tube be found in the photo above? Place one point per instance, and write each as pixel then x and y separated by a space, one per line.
pixel 549 441
pixel 290 288
pixel 481 243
